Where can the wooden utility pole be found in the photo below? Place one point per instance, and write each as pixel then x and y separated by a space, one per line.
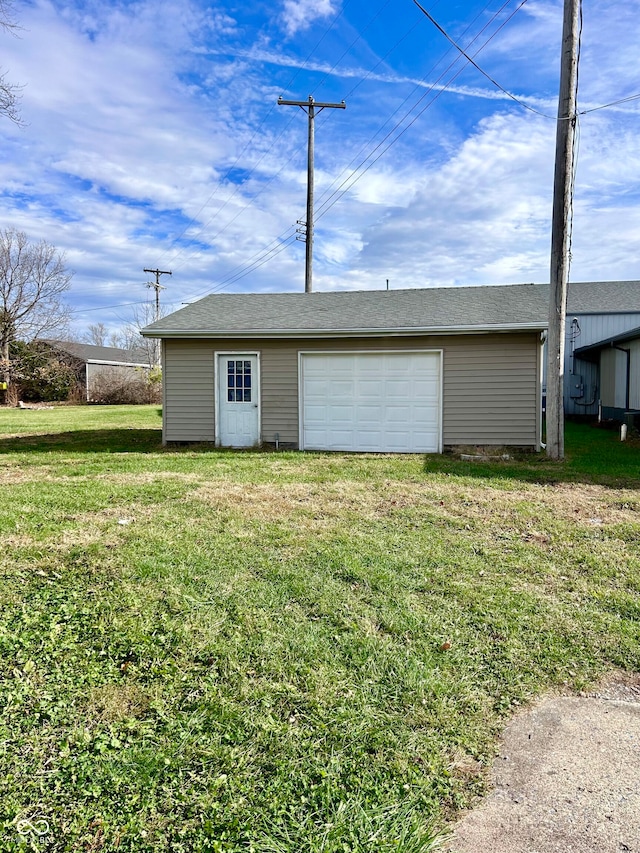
pixel 157 287
pixel 561 227
pixel 311 107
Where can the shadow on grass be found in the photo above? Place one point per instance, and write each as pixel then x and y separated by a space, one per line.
pixel 87 441
pixel 592 456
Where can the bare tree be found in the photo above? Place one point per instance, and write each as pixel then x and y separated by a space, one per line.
pixel 96 334
pixel 100 335
pixel 33 278
pixel 148 348
pixel 9 92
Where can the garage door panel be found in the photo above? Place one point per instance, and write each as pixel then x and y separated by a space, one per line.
pixel 398 389
pixel 371 401
pixel 367 415
pixel 370 389
pixel 398 415
pixel 343 411
pixel 368 439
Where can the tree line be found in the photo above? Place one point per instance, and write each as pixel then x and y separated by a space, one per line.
pixel 34 279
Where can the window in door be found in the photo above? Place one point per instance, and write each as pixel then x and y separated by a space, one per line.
pixel 238 381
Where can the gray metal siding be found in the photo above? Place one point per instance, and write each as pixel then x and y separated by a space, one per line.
pixel 490 385
pixel 593 328
pixel 598 327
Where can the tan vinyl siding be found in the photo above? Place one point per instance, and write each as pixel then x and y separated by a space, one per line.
pixel 634 379
pixel 279 380
pixel 490 390
pixel 608 377
pixel 490 385
pixel 188 379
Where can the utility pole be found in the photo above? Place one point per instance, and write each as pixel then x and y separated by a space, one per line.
pixel 561 227
pixel 312 108
pixel 157 287
pixel 155 354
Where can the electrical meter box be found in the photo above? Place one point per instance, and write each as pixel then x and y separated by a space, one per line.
pixel 576 385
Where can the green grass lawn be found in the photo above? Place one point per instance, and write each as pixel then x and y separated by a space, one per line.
pixel 286 653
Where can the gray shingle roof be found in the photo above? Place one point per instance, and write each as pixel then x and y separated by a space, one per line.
pixel 517 306
pixel 92 353
pixel 603 297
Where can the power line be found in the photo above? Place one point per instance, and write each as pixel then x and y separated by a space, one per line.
pixel 354 177
pixel 267 254
pixel 104 307
pixel 256 265
pixel 612 104
pixel 284 165
pixel 475 64
pixel 246 147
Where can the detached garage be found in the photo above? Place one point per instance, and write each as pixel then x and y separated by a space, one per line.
pixel 410 371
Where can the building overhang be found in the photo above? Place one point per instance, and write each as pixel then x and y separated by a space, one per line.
pixel 275 334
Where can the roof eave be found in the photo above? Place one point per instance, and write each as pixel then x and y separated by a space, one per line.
pixel 114 363
pixel 343 333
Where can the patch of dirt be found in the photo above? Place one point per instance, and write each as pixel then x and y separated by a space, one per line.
pixel 149 477
pixel 619 687
pixel 115 702
pixel 272 502
pixel 62 542
pixel 14 476
pixel 582 504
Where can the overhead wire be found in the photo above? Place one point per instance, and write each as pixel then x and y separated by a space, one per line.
pixel 105 307
pixel 352 179
pixel 242 152
pixel 267 254
pixel 475 64
pixel 611 104
pixel 256 265
pixel 231 278
pixel 408 98
pixel 282 237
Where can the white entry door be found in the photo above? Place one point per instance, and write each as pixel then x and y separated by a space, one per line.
pixel 238 400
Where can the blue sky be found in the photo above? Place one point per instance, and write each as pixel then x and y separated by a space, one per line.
pixel 152 138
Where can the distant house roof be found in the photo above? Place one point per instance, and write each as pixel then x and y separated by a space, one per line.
pixel 91 354
pixel 435 310
pixel 591 352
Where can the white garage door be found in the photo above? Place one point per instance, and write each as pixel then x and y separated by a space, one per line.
pixel 371 401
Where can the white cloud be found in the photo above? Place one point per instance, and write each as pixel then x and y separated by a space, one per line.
pixel 154 139
pixel 480 218
pixel 300 14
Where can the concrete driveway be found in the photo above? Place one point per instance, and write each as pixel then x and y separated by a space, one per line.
pixel 566 779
